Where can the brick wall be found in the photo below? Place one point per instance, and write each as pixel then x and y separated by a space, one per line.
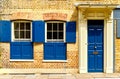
pixel 34 10
pixel 117 52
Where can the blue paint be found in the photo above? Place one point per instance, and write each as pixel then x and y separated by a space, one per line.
pixel 5 31
pixel 71 32
pixel 15 52
pixel 49 52
pixel 95 38
pixel 118 29
pixel 21 50
pixel 38 31
pixel 116 15
pixel 55 51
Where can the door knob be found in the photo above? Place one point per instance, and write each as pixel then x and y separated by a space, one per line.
pixel 95 47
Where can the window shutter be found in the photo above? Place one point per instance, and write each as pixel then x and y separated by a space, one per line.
pixel 49 51
pixel 21 50
pixel 27 50
pixel 15 51
pixel 60 51
pixel 71 32
pixel 55 51
pixel 118 28
pixel 38 31
pixel 5 31
pixel 116 15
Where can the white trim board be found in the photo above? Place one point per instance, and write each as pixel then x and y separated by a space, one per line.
pixel 55 61
pixel 21 60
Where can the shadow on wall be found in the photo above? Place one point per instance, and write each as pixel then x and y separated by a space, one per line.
pixel 74 17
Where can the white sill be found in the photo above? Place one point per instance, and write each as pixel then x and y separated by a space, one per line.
pixel 21 60
pixel 55 61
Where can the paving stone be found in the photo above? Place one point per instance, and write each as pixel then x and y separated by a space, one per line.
pixel 118 74
pixel 30 77
pixel 5 77
pixel 18 77
pixel 42 77
pixel 101 75
pixel 55 77
pixel 70 77
pixel 112 75
pixel 85 78
pixel 84 75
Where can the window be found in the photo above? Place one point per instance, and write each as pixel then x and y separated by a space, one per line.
pixel 21 31
pixel 55 31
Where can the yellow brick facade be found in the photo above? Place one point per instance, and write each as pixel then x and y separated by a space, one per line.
pixel 117 52
pixel 35 9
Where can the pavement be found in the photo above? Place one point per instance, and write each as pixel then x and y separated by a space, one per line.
pixel 61 76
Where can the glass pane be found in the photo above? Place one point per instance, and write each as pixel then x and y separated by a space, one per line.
pixel 27 34
pixel 16 26
pixel 54 26
pixel 60 35
pixel 49 35
pixel 54 35
pixel 28 26
pixel 21 34
pixel 49 26
pixel 61 26
pixel 22 27
pixel 16 34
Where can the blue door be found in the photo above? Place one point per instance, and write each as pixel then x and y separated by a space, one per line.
pixel 95 45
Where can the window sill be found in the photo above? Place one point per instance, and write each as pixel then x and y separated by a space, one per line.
pixel 55 61
pixel 22 60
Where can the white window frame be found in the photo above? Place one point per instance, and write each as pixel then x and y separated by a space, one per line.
pixel 23 40
pixel 64 32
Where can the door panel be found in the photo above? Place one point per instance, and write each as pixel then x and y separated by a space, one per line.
pixel 99 66
pixel 95 47
pixel 91 58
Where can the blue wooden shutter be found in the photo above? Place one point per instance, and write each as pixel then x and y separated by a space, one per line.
pixel 71 32
pixel 21 50
pixel 15 50
pixel 38 31
pixel 60 51
pixel 55 51
pixel 116 15
pixel 27 50
pixel 5 31
pixel 49 51
pixel 118 28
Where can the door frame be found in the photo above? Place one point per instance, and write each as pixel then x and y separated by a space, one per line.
pixel 108 42
pixel 103 45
